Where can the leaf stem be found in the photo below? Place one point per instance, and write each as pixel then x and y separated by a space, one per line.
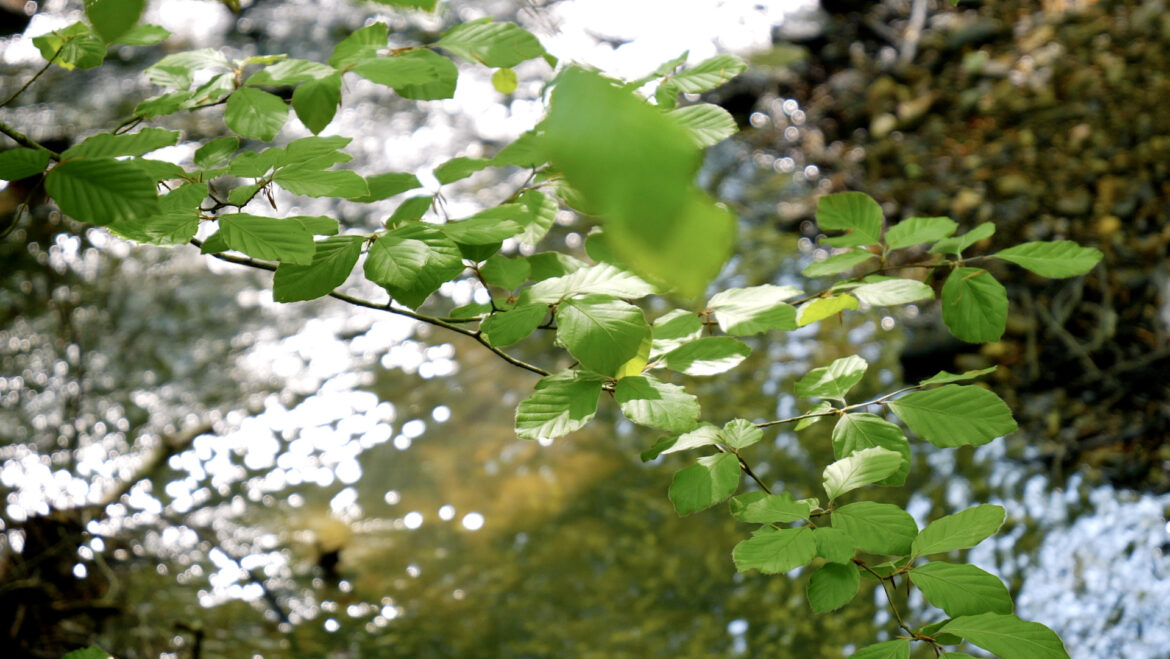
pixel 31 80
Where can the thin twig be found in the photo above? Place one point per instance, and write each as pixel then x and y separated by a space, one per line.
pixel 31 80
pixel 389 308
pixel 24 140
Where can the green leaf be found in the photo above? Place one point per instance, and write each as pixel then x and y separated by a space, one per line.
pixel 460 168
pixel 650 402
pixel 319 225
pixel 216 152
pixel 773 553
pixel 267 238
pixel 961 530
pixel 974 305
pixel 1008 636
pixel 87 653
pixel 412 261
pixel 318 183
pixel 384 186
pixel 526 151
pixel 361 45
pixel 546 265
pixel 961 590
pixel 762 508
pixel 16 164
pixel 855 213
pixel 178 67
pixel 955 415
pixel 316 102
pixel 72 47
pixel 674 329
pixel 918 230
pixel 542 213
pixel 412 208
pixel 741 433
pixel 707 482
pixel 707 356
pixel 832 381
pixel 838 263
pixel 507 327
pixel 505 272
pixel 600 332
pixel 704 435
pixel 832 587
pixel 176 223
pixel 562 403
pixel 255 114
pixel 492 44
pixel 289 72
pixel 426 5
pixel 834 545
pixel 892 291
pixel 878 528
pixel 863 467
pixel 956 244
pixel 819 409
pixel 333 261
pixel 708 74
pixel 746 311
pixel 129 144
pixel 896 649
pixel 824 307
pixel 600 279
pixel 1057 259
pixel 112 18
pixel 708 124
pixel 102 190
pixel 505 81
pixel 143 35
pixel 636 167
pixel 442 76
pixel 855 432
pixel 943 377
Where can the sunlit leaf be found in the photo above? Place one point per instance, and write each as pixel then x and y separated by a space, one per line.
pixel 832 381
pixel 824 307
pixel 773 553
pixel 745 311
pixel 707 123
pixel 562 403
pixel 267 238
pixel 860 468
pixel 494 44
pixel 707 356
pixel 601 332
pixel 855 432
pixel 256 114
pixel 763 508
pixel 956 244
pixel 507 327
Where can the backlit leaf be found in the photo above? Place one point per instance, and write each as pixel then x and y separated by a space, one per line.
pixel 494 44
pixel 562 403
pixel 861 468
pixel 1061 258
pixel 333 261
pixel 955 415
pixel 102 190
pixel 974 305
pixel 650 402
pixel 745 311
pixel 773 553
pixel 267 238
pixel 917 230
pixel 878 528
pixel 961 530
pixel 707 356
pixel 855 213
pixel 832 586
pixel 832 381
pixel 961 590
pixel 762 508
pixel 855 432
pixel 1008 636
pixel 601 332
pixel 507 327
pixel 255 114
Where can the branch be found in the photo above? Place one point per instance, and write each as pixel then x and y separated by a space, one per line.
pixel 24 140
pixel 390 308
